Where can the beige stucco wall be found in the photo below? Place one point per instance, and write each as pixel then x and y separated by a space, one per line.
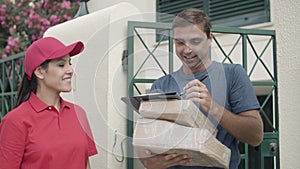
pixel 286 23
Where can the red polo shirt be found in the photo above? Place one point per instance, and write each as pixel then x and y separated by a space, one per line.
pixel 37 136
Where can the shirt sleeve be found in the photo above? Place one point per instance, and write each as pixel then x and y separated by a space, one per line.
pixel 12 143
pixel 155 88
pixel 164 84
pixel 81 115
pixel 242 97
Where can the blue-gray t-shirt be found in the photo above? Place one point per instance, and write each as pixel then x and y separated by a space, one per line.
pixel 229 85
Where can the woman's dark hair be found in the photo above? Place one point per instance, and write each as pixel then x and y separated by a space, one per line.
pixel 27 86
pixel 192 16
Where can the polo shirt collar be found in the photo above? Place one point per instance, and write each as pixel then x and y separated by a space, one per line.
pixel 38 105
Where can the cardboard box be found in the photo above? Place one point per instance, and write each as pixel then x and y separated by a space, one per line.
pixel 179 126
pixel 183 112
pixel 163 137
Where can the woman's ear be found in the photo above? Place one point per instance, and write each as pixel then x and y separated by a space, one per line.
pixel 39 72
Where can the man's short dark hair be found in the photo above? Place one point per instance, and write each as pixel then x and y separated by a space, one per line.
pixel 192 16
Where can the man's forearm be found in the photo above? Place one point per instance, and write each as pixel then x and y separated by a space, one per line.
pixel 246 126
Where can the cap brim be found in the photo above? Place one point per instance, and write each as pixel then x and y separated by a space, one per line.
pixel 72 50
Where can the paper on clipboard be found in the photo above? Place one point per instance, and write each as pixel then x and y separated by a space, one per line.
pixel 134 101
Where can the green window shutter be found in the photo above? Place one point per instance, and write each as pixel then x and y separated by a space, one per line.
pixel 167 9
pixel 238 12
pixel 221 12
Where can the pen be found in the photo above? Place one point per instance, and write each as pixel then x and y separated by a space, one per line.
pixel 204 77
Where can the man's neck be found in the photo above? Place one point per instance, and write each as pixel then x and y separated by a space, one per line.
pixel 201 68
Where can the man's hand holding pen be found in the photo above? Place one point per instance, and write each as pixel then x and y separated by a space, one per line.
pixel 196 91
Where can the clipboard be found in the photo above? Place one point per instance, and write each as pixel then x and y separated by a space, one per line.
pixel 134 101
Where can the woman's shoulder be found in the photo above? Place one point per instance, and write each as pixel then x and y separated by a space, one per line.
pixel 17 115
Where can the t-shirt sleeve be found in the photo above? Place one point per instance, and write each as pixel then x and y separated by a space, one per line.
pixel 155 88
pixel 242 97
pixel 92 150
pixel 163 84
pixel 12 143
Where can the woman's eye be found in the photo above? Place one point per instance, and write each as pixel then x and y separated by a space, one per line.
pixel 61 65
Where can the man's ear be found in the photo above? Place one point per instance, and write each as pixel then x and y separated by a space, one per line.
pixel 211 36
pixel 39 72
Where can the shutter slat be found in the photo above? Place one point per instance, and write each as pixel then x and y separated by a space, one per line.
pixel 234 12
pixel 179 3
pixel 230 3
pixel 215 4
pixel 236 7
pixel 168 9
pixel 238 13
pixel 227 12
pixel 237 21
pixel 179 7
pixel 175 11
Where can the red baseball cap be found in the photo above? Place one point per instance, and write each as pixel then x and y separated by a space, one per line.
pixel 47 48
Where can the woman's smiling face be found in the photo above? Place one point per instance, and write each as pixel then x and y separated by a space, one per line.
pixel 192 46
pixel 57 76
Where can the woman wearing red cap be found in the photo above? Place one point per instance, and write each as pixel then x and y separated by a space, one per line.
pixel 44 131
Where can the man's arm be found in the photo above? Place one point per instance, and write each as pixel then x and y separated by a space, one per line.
pixel 246 126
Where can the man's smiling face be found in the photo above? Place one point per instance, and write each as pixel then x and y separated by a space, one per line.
pixel 192 46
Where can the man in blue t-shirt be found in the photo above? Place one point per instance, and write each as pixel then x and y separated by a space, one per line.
pixel 222 91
